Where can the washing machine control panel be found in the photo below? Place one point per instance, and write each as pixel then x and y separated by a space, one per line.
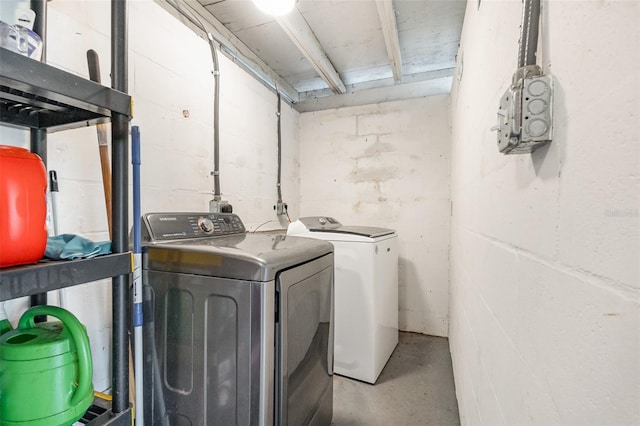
pixel 176 226
pixel 314 223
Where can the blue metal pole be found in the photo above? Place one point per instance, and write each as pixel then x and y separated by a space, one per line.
pixel 137 276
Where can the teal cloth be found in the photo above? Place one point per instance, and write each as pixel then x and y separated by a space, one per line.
pixel 70 246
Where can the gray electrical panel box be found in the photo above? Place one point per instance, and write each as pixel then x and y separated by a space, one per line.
pixel 525 112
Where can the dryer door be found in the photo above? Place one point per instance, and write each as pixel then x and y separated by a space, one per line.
pixel 305 341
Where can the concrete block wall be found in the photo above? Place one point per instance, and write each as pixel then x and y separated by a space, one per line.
pixel 387 165
pixel 171 81
pixel 545 278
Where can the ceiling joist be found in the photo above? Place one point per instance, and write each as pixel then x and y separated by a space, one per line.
pixel 390 31
pixel 387 83
pixel 438 86
pixel 295 26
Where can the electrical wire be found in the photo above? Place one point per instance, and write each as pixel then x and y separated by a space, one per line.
pixel 286 211
pixel 262 224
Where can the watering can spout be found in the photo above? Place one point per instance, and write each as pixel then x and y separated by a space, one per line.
pixel 5 325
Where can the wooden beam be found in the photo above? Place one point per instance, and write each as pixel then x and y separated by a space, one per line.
pixel 440 86
pixel 390 31
pixel 295 26
pixel 379 84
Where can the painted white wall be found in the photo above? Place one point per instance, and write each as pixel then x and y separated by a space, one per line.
pixel 545 278
pixel 387 165
pixel 170 73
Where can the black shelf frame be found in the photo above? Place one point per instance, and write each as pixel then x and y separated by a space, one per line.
pixel 48 275
pixel 37 96
pixel 100 414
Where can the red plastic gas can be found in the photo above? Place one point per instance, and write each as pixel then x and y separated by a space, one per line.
pixel 23 206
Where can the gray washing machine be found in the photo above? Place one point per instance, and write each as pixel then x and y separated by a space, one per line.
pixel 238 326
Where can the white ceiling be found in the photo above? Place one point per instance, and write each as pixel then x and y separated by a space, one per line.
pixel 343 39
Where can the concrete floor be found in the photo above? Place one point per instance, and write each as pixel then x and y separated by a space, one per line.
pixel 415 388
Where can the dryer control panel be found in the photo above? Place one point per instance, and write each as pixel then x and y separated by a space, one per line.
pixel 178 226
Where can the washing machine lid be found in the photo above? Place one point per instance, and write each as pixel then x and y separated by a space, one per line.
pixel 363 231
pixel 330 225
pixel 240 255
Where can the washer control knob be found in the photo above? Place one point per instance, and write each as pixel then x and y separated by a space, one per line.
pixel 322 220
pixel 205 224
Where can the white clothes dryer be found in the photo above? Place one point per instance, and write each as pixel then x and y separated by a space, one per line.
pixel 366 293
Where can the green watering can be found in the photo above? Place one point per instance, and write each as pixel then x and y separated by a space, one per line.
pixel 45 370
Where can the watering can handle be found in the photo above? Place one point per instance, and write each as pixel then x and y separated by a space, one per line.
pixel 76 329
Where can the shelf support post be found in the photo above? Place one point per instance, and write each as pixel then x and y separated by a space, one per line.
pixel 38 137
pixel 119 208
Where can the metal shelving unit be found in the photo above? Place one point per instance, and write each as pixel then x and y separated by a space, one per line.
pixel 37 96
pixel 47 275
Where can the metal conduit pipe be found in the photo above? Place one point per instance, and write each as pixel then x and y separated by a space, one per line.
pixel 529 33
pixel 257 74
pixel 216 107
pixel 216 119
pixel 216 96
pixel 231 54
pixel 279 184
